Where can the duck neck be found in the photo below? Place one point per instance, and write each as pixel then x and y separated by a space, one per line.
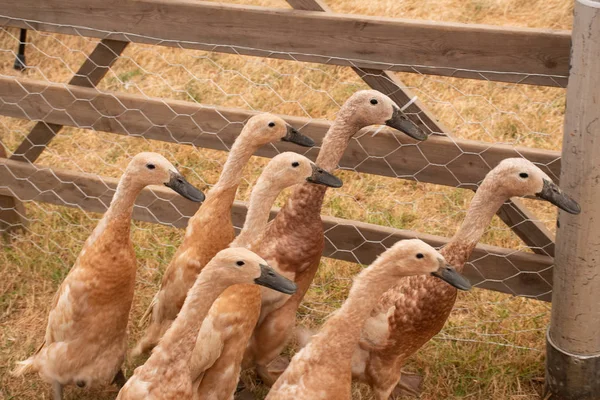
pixel 177 344
pixel 240 153
pixel 261 200
pixel 308 198
pixel 336 140
pixel 341 333
pixel 118 216
pixel 485 204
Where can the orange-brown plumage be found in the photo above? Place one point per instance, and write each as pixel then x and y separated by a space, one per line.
pixel 294 240
pixel 417 309
pixel 210 230
pixel 85 339
pixel 227 329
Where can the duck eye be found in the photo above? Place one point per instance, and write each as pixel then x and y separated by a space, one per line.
pixel 295 164
pixel 150 166
pixel 420 255
pixel 374 101
pixel 271 124
pixel 524 175
pixel 240 263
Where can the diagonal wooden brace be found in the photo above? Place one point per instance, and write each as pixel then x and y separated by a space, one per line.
pixel 91 72
pixel 514 214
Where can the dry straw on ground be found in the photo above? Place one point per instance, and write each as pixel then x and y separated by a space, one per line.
pixel 492 346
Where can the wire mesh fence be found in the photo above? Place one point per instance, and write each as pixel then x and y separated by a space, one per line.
pixel 504 333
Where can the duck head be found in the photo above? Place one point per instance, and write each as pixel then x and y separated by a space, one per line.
pixel 239 265
pixel 153 169
pixel 415 257
pixel 520 177
pixel 266 128
pixel 288 169
pixel 370 107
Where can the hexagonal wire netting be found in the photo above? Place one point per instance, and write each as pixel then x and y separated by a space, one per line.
pixel 161 91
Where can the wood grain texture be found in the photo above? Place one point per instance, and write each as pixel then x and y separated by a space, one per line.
pixel 441 160
pixel 492 267
pixel 12 210
pixel 89 74
pixel 450 49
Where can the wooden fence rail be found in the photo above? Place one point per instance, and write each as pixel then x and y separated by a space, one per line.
pixel 491 267
pixel 440 160
pixel 522 55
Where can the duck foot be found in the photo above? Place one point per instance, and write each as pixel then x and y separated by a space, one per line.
pixel 245 394
pixel 57 391
pixel 119 379
pixel 409 385
pixel 270 373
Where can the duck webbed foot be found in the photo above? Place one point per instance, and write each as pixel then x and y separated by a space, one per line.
pixel 409 385
pixel 119 379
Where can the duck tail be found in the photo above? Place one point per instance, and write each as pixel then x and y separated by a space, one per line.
pixel 304 336
pixel 23 367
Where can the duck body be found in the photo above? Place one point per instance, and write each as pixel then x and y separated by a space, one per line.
pixel 294 241
pixel 211 230
pixel 166 374
pixel 226 331
pixel 323 369
pixel 85 341
pixel 409 314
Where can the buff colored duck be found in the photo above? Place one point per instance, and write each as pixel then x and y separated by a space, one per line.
pixel 323 369
pixel 166 374
pixel 408 315
pixel 225 333
pixel 85 340
pixel 294 240
pixel 210 230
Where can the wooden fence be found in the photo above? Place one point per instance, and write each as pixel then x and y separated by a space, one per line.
pixel 371 46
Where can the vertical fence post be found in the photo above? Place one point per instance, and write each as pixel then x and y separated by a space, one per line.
pixel 573 340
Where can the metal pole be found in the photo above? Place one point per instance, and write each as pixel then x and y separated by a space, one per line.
pixel 20 60
pixel 573 340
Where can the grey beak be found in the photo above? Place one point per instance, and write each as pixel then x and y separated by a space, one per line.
pixel 184 188
pixel 271 279
pixel 552 193
pixel 400 122
pixel 292 135
pixel 449 275
pixel 321 177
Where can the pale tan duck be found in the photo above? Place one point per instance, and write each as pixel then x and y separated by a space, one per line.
pixel 85 340
pixel 225 333
pixel 166 374
pixel 210 230
pixel 411 313
pixel 294 240
pixel 323 369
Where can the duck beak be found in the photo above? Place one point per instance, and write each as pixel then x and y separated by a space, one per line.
pixel 184 188
pixel 292 135
pixel 271 279
pixel 400 122
pixel 552 193
pixel 447 273
pixel 321 177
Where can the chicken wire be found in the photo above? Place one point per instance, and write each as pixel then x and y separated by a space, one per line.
pixel 492 112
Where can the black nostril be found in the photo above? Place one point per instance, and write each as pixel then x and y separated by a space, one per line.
pixel 179 180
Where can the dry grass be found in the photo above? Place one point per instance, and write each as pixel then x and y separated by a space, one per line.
pixel 491 347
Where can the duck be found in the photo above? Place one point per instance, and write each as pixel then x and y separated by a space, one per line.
pixel 293 242
pixel 226 331
pixel 408 315
pixel 323 368
pixel 211 230
pixel 86 338
pixel 165 375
